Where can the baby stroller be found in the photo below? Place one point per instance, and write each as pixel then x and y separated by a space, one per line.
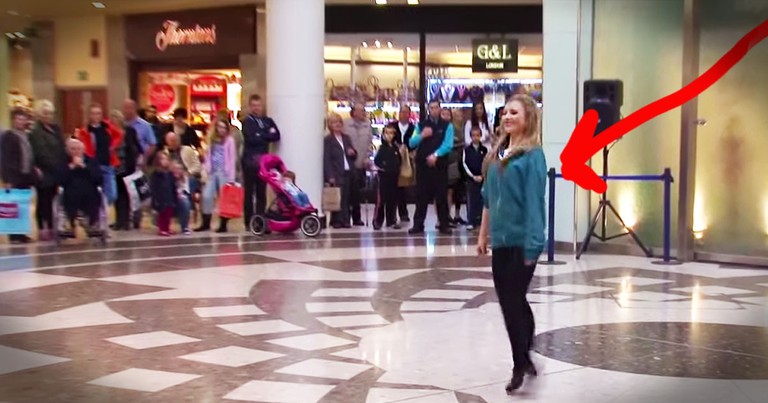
pixel 284 214
pixel 64 230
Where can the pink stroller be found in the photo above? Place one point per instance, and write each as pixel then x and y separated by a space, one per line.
pixel 288 212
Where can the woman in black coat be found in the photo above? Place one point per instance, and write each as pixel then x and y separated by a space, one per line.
pixel 50 155
pixel 18 160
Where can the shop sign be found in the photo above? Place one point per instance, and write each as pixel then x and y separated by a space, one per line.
pixel 194 35
pixel 162 96
pixel 209 86
pixel 173 35
pixel 494 55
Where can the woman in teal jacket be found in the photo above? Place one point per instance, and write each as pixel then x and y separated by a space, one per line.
pixel 515 179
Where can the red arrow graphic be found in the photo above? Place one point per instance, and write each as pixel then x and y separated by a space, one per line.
pixel 583 145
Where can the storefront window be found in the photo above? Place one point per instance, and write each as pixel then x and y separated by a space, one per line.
pixel 731 202
pixel 452 80
pixel 378 70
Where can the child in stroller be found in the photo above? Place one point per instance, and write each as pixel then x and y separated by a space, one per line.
pixel 291 208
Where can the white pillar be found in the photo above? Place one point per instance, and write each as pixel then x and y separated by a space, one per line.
pixel 295 87
pixel 567 63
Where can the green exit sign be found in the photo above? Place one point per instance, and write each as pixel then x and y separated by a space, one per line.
pixel 82 75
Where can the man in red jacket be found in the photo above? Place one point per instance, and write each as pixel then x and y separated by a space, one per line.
pixel 101 140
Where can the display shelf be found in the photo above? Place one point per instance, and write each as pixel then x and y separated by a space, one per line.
pixel 388 109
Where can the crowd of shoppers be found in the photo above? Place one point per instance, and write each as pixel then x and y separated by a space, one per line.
pixel 177 165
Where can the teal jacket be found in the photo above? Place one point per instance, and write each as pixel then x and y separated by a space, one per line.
pixel 514 197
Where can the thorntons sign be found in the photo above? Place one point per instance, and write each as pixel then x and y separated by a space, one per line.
pixel 205 34
pixel 173 35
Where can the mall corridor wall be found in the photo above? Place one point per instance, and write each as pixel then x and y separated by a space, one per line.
pixel 75 66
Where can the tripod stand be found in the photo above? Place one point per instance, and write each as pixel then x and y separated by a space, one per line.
pixel 604 208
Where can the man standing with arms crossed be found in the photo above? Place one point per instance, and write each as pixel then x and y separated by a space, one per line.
pixel 434 139
pixel 259 132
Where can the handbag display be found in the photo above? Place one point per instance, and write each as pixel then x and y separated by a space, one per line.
pixel 15 216
pixel 231 200
pixel 331 199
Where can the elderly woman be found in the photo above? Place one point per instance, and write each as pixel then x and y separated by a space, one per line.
pixel 17 160
pixel 48 149
pixel 80 180
pixel 339 156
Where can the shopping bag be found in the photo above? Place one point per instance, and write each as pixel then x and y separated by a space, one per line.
pixel 331 199
pixel 231 201
pixel 14 211
pixel 406 177
pixel 139 192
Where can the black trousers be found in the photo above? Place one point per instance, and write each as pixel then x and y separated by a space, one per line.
pixel 387 201
pixel 356 193
pixel 44 208
pixel 122 205
pixel 341 217
pixel 511 278
pixel 474 202
pixel 88 204
pixel 402 206
pixel 253 187
pixel 431 184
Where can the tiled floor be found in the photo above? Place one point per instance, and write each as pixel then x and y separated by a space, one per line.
pixel 356 316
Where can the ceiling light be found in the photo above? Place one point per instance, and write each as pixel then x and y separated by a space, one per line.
pixel 19 35
pixel 99 4
pixel 12 12
pixel 377 43
pixel 389 44
pixel 457 48
pixel 10 35
pixel 365 44
pixel 381 2
pixel 413 2
pixel 408 48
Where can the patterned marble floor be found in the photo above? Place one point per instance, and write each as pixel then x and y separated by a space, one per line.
pixel 361 317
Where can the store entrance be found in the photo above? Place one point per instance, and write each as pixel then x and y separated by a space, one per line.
pixel 204 94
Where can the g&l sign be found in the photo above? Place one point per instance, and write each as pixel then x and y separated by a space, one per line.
pixel 494 55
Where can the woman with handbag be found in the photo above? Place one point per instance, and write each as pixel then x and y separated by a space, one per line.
pixel 219 165
pixel 339 157
pixel 18 160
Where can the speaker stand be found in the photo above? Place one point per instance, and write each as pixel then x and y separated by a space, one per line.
pixel 604 208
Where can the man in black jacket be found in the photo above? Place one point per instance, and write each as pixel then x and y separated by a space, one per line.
pixel 434 139
pixel 404 129
pixel 259 132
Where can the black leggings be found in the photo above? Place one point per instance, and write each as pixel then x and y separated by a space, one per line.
pixel 44 208
pixel 511 277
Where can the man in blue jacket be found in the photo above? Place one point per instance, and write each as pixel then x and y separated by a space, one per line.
pixel 259 132
pixel 434 139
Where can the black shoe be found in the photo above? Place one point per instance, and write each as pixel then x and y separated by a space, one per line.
pixel 459 221
pixel 377 227
pixel 445 231
pixel 206 225
pixel 222 226
pixel 516 382
pixel 405 219
pixel 359 224
pixel 396 226
pixel 416 231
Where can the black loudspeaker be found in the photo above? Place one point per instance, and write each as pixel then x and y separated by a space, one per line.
pixel 606 98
